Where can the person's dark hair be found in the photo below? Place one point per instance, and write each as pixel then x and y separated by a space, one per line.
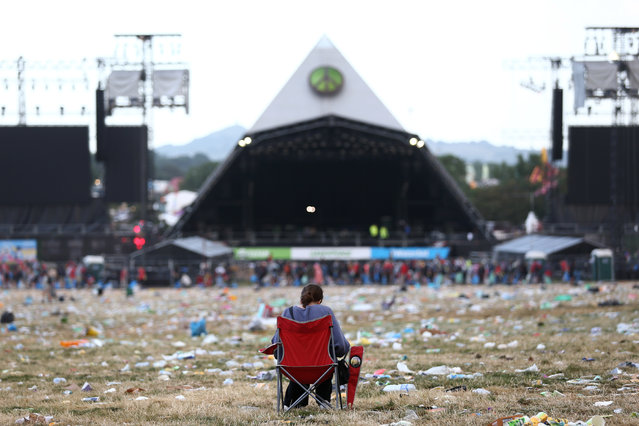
pixel 311 293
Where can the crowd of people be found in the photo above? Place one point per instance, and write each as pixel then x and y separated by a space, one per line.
pixel 42 275
pixel 435 272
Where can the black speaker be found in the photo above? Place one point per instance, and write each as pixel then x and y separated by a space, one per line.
pixel 126 164
pixel 557 124
pixel 100 126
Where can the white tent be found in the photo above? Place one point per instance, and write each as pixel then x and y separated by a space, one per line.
pixel 532 223
pixel 175 204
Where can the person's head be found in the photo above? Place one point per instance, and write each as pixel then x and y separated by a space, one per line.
pixel 311 294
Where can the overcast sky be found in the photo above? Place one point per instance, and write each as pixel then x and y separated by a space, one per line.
pixel 448 70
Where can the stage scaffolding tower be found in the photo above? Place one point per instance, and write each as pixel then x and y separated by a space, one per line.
pixel 153 57
pixel 618 46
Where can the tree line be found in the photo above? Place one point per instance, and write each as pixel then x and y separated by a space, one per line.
pixel 511 193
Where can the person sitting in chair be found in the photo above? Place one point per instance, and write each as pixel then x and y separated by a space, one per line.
pixel 311 309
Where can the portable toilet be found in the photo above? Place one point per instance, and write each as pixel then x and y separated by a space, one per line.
pixel 602 265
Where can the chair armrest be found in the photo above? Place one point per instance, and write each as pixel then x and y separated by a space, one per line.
pixel 270 350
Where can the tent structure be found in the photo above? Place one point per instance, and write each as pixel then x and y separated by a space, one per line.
pixel 544 247
pixel 164 260
pixel 324 162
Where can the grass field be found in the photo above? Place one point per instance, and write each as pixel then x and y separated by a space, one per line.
pixel 573 336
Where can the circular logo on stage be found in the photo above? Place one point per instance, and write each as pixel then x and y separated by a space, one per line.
pixel 356 362
pixel 326 80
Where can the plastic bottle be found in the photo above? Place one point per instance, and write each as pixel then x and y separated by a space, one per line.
pixel 400 388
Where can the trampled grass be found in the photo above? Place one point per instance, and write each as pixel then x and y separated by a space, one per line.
pixel 494 331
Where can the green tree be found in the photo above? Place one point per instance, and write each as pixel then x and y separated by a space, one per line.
pixel 506 202
pixel 510 200
pixel 169 167
pixel 196 176
pixel 456 168
pixel 514 197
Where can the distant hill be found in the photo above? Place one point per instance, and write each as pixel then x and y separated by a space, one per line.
pixel 219 144
pixel 216 146
pixel 483 151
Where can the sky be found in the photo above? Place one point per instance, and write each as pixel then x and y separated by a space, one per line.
pixel 447 70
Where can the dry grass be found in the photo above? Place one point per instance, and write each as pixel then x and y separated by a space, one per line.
pixel 146 327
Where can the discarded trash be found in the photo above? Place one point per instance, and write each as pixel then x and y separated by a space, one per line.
pixel 159 364
pixel 629 364
pixel 410 415
pixel 612 302
pixel 563 298
pixel 265 375
pixel 457 389
pixel 92 331
pixel 532 369
pixel 553 393
pixel 464 376
pixel 624 328
pixel 86 387
pixel 7 317
pixel 481 391
pixel 59 380
pixel 504 421
pixel 198 328
pixel 403 368
pixel 91 399
pixel 399 388
pixel 35 418
pixel 210 338
pixel 440 370
pixel 74 343
pixel 603 403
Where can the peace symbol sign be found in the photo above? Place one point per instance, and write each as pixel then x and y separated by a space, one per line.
pixel 326 80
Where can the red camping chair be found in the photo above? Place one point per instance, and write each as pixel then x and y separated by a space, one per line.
pixel 306 355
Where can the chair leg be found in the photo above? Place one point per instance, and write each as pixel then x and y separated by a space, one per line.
pixel 338 394
pixel 306 392
pixel 310 391
pixel 280 399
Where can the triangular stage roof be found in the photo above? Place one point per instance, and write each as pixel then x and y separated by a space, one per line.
pixel 298 101
pixel 327 142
